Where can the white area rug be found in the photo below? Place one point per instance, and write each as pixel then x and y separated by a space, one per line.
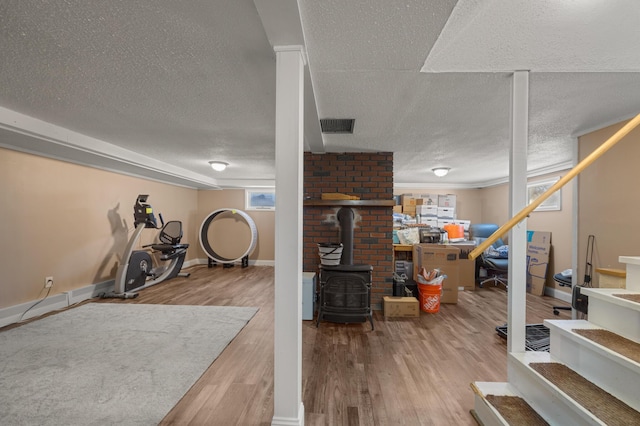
pixel 110 364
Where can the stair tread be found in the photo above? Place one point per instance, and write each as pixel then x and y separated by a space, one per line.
pixel 625 347
pixel 600 403
pixel 515 410
pixel 617 296
pixel 634 297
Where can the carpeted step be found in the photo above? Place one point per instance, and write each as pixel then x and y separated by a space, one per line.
pixel 600 403
pixel 515 410
pixel 629 296
pixel 625 347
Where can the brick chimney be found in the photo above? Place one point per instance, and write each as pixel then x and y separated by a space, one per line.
pixel 369 176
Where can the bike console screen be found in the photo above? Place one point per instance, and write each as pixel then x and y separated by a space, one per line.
pixel 143 213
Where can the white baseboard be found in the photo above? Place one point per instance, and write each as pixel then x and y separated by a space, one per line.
pixel 190 263
pixel 205 261
pixel 558 294
pixel 13 314
pixel 290 421
pixel 16 313
pixel 263 263
pixel 88 292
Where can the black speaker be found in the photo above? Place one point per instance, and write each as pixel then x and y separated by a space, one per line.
pixel 579 301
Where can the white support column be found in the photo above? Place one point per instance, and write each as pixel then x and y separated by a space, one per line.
pixel 518 200
pixel 288 408
pixel 574 227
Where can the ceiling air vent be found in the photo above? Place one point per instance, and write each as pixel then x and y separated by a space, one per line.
pixel 337 125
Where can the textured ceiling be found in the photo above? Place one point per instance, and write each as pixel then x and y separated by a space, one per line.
pixel 160 88
pixel 540 36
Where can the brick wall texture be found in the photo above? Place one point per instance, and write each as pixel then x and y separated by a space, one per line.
pixel 369 176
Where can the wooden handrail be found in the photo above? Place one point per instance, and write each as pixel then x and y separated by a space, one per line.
pixel 632 124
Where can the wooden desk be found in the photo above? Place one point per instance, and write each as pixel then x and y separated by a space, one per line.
pixel 402 247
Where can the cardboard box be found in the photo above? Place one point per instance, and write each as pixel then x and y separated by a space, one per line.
pixel 466 266
pixel 465 223
pixel 443 257
pixel 446 213
pixel 426 210
pixel 400 307
pixel 448 200
pixel 429 221
pixel 410 210
pixel 407 200
pixel 397 209
pixel 538 251
pixel 428 199
pixel 443 222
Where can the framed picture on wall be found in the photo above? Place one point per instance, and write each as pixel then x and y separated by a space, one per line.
pixel 260 199
pixel 536 189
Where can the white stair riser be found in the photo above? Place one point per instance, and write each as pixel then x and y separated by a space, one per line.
pixel 619 377
pixel 633 277
pixel 546 400
pixel 617 319
pixel 614 377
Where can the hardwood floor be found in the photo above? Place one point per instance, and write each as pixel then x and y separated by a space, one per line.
pixel 406 372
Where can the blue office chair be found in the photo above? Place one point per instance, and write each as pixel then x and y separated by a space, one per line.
pixel 498 264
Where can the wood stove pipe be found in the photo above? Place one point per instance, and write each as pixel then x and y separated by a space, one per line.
pixel 346 218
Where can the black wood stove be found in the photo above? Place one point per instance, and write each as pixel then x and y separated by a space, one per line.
pixel 345 289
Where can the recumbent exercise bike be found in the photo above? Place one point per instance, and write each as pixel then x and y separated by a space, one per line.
pixel 136 270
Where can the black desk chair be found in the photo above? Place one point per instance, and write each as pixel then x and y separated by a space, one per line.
pixel 563 281
pixel 170 249
pixel 498 267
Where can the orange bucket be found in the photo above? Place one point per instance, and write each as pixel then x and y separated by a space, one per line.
pixel 454 231
pixel 430 297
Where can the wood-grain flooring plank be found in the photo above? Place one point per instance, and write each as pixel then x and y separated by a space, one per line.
pixel 409 371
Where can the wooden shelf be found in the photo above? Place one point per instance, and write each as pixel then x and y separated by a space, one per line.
pixel 350 203
pixel 619 273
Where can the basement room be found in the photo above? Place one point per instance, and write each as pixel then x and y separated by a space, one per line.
pixel 276 212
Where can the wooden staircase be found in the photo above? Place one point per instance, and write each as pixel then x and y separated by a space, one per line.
pixel 606 388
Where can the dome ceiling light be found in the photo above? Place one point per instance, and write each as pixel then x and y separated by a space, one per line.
pixel 218 166
pixel 441 171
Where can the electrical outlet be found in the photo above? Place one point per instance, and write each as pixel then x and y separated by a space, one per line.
pixel 48 282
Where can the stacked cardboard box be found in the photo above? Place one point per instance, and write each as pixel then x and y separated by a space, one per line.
pixel 430 209
pixel 465 223
pixel 428 199
pixel 446 209
pixel 448 200
pixel 427 214
pixel 466 266
pixel 408 203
